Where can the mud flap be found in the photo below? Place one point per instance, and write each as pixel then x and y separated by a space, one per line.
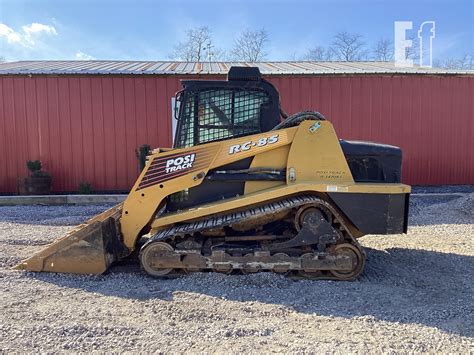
pixel 88 249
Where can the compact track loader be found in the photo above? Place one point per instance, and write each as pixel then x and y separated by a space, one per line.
pixel 243 190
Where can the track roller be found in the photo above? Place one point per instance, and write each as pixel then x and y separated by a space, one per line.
pixel 358 260
pixel 309 273
pixel 224 268
pixel 282 268
pixel 250 269
pixel 150 253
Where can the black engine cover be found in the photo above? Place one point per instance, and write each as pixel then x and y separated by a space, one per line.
pixel 373 162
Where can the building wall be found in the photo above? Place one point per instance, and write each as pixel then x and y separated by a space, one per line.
pixel 86 128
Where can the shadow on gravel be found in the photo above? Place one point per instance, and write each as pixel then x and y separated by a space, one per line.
pixel 428 210
pixel 67 215
pixel 399 285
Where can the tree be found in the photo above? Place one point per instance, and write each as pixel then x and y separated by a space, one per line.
pixel 348 47
pixel 383 50
pixel 250 45
pixel 198 46
pixel 466 62
pixel 413 52
pixel 319 54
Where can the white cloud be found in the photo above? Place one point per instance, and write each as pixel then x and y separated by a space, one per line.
pixel 38 28
pixel 9 34
pixel 83 56
pixel 26 37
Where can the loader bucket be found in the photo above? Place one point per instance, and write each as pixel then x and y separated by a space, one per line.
pixel 89 248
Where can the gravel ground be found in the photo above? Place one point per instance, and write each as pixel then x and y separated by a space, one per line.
pixel 416 294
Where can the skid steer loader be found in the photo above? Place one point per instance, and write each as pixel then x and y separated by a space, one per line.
pixel 243 190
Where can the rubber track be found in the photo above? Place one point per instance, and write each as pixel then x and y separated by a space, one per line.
pixel 228 219
pixel 252 213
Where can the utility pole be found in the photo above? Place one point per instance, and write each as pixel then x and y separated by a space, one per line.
pixel 209 52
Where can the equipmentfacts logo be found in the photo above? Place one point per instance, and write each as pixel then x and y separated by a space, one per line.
pixel 408 50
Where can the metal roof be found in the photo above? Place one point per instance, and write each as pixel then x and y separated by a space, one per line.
pixel 104 67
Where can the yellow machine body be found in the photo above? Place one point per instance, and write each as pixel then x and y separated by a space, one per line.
pixel 310 153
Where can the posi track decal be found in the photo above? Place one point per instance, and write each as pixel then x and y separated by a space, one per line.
pixel 180 163
pixel 165 168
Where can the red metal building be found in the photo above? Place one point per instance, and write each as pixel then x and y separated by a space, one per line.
pixel 84 120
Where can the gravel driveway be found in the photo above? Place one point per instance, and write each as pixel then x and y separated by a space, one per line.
pixel 416 294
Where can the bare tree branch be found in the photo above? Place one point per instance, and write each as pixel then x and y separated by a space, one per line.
pixel 466 62
pixel 383 50
pixel 319 54
pixel 413 52
pixel 214 53
pixel 349 46
pixel 198 46
pixel 250 46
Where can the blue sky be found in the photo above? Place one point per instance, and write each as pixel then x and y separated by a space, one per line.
pixel 148 30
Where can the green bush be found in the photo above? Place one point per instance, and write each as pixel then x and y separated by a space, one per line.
pixel 35 166
pixel 84 188
pixel 142 153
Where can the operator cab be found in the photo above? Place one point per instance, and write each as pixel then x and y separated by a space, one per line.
pixel 214 110
pixel 245 104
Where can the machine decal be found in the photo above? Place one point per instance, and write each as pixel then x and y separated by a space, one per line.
pixel 335 188
pixel 237 148
pixel 180 163
pixel 172 166
pixel 314 127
